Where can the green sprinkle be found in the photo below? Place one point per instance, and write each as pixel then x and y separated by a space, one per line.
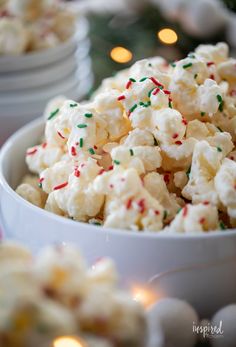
pixel 81 126
pixel 178 211
pixel 53 114
pixel 188 171
pixel 203 114
pixel 40 185
pixel 150 92
pixel 191 56
pixel 131 152
pixel 132 80
pixel 221 106
pixel 143 79
pixel 220 129
pixel 173 64
pixel 147 104
pixel 97 223
pixel 195 76
pixel 88 115
pixel 165 215
pixel 219 149
pixel 187 65
pixel 133 108
pixel 222 225
pixel 81 142
pixel 91 151
pixel 219 97
pixel 170 104
pixel 149 64
pixel 117 162
pixel 73 105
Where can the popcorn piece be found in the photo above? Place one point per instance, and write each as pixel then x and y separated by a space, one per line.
pixel 14 38
pixel 216 54
pixel 194 219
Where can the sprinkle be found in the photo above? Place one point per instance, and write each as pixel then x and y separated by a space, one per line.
pixel 143 79
pixel 117 162
pixel 219 149
pixel 170 105
pixel 81 126
pixel 195 76
pixel 32 152
pixel 110 168
pixel 95 147
pixel 53 114
pixel 219 97
pixel 40 182
pixel 77 172
pixel 132 80
pixel 129 204
pixel 150 92
pixel 73 105
pixel 131 152
pixel 81 142
pixel 111 186
pixel 60 134
pixel 149 64
pixel 185 211
pixel 202 220
pixel 210 63
pixel 97 223
pixel 173 64
pixel 133 108
pixel 191 56
pixel 44 145
pixel 141 205
pixel 156 91
pixel 157 212
pixel 73 151
pixel 188 171
pixel 212 77
pixel 206 202
pixel 220 129
pixel 60 186
pixel 222 225
pixel 156 82
pixel 187 65
pixel 165 215
pixel 129 83
pixel 88 115
pixel 178 142
pixel 203 114
pixel 91 151
pixel 166 91
pixel 175 135
pixel 101 172
pixel 184 121
pixel 121 97
pixel 147 104
pixel 221 102
pixel 167 178
pixel 178 211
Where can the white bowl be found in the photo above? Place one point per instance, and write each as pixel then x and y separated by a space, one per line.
pixel 45 57
pixel 197 268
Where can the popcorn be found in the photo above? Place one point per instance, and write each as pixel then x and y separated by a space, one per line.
pixel 152 137
pixel 34 25
pixel 55 294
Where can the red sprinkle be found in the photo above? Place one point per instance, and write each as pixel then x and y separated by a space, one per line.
pixel 32 152
pixel 60 186
pixel 101 172
pixel 232 158
pixel 73 151
pixel 166 92
pixel 44 145
pixel 175 136
pixel 156 91
pixel 129 203
pixel 61 135
pixel 141 204
pixel 167 178
pixel 212 77
pixel 185 211
pixel 206 202
pixel 110 167
pixel 122 97
pixel 184 121
pixel 157 212
pixel 210 63
pixel 178 142
pixel 156 82
pixel 111 186
pixel 95 147
pixel 77 172
pixel 128 114
pixel 41 179
pixel 128 85
pixel 202 220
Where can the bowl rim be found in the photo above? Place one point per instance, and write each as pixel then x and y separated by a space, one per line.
pixel 4 185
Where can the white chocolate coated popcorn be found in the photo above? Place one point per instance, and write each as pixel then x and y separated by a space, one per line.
pixel 154 139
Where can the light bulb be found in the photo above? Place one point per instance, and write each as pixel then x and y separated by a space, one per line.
pixel 167 36
pixel 121 55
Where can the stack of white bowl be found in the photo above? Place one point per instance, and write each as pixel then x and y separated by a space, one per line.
pixel 29 81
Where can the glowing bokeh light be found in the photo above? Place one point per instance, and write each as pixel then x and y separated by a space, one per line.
pixel 121 55
pixel 67 341
pixel 145 296
pixel 167 36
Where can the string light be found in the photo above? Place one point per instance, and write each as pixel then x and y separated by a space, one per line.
pixel 121 55
pixel 167 36
pixel 145 296
pixel 68 341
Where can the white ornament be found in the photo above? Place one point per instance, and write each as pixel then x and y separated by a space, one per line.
pixel 227 316
pixel 170 323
